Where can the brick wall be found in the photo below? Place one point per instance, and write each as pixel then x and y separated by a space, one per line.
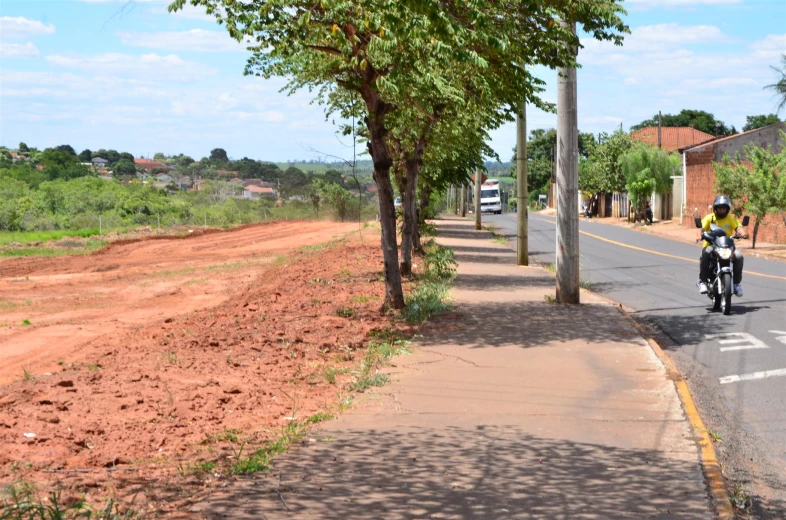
pixel 700 193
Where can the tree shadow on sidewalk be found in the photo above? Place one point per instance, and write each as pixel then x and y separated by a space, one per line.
pixel 531 324
pixel 485 472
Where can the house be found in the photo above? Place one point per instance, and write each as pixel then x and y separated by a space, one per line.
pixel 162 177
pixel 99 162
pixel 255 192
pixel 183 182
pixel 698 175
pixel 149 164
pixel 672 138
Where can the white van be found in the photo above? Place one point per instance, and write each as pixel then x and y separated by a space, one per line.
pixel 490 197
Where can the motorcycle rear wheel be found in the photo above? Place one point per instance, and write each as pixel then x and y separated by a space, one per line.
pixel 726 293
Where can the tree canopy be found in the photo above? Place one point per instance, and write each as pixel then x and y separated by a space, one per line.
pixel 602 171
pixel 648 170
pixel 754 122
pixel 779 87
pixel 218 154
pixel 698 119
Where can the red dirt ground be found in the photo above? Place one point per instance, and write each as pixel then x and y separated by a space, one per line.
pixel 165 343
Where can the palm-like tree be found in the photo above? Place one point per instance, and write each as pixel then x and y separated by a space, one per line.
pixel 780 86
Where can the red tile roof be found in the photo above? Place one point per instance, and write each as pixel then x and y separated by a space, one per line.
pixel 258 189
pixel 148 163
pixel 672 137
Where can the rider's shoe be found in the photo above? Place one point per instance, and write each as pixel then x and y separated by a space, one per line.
pixel 737 289
pixel 703 289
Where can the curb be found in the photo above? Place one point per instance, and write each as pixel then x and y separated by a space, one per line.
pixel 713 473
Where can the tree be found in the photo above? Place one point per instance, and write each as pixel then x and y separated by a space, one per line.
pixel 400 57
pixel 126 156
pixel 759 189
pixel 648 170
pixel 159 157
pixel 753 122
pixel 334 195
pixel 698 119
pixel 218 154
pixel 23 148
pixel 779 87
pixel 124 167
pixel 66 148
pixel 602 172
pixel 86 155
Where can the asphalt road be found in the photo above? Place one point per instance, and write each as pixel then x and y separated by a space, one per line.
pixel 735 365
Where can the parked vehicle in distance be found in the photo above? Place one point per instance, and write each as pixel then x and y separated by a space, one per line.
pixel 490 197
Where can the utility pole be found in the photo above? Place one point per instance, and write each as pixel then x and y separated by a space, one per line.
pixel 477 199
pixel 464 200
pixel 455 199
pixel 567 267
pixel 659 133
pixel 522 192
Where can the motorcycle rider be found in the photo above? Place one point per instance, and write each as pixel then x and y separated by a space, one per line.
pixel 721 216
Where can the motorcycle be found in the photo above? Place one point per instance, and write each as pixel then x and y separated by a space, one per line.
pixel 721 264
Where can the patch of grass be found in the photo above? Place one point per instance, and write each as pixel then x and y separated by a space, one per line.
pixel 197 281
pixel 89 247
pixel 440 262
pixel 364 382
pixel 330 373
pixel 363 299
pixel 26 322
pixel 167 273
pixel 93 368
pixel 425 300
pixel 231 265
pixel 7 305
pixel 21 501
pixel 500 239
pixel 740 498
pixel 550 267
pixel 259 460
pixel 715 436
pixel 197 468
pixel 550 298
pixel 28 376
pixel 585 284
pixel 319 417
pixel 171 357
pixel 228 435
pixel 346 312
pixel 25 237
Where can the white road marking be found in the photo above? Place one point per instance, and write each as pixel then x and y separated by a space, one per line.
pixel 782 339
pixel 748 341
pixel 781 372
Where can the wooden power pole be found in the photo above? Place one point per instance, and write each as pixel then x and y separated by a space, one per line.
pixel 455 200
pixel 522 192
pixel 464 200
pixel 478 182
pixel 567 267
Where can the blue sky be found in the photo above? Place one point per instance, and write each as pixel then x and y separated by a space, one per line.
pixel 142 80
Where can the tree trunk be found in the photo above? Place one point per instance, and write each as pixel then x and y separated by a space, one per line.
pixel 756 230
pixel 455 199
pixel 425 199
pixel 407 185
pixel 380 155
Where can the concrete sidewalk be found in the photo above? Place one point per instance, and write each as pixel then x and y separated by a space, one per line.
pixel 516 408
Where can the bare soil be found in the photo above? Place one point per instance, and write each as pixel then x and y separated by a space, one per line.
pixel 140 357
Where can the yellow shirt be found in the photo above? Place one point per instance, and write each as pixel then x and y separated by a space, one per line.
pixel 729 223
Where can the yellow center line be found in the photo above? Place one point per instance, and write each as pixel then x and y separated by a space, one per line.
pixel 754 273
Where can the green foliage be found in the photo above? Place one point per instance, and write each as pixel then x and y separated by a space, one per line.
pixel 21 501
pixel 219 154
pixel 602 172
pixel 440 262
pixel 754 122
pixel 124 167
pixel 759 190
pixel 779 87
pixel 648 170
pixel 343 202
pixel 698 119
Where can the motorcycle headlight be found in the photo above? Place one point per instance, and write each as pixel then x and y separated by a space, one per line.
pixel 724 253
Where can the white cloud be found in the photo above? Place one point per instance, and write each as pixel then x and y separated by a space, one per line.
pixel 14 28
pixel 147 66
pixel 656 38
pixel 18 50
pixel 197 40
pixel 188 12
pixel 770 48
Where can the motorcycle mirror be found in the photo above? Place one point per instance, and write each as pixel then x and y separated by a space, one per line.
pixel 697 220
pixel 745 220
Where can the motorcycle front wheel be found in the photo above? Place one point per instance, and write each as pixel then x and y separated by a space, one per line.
pixel 726 293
